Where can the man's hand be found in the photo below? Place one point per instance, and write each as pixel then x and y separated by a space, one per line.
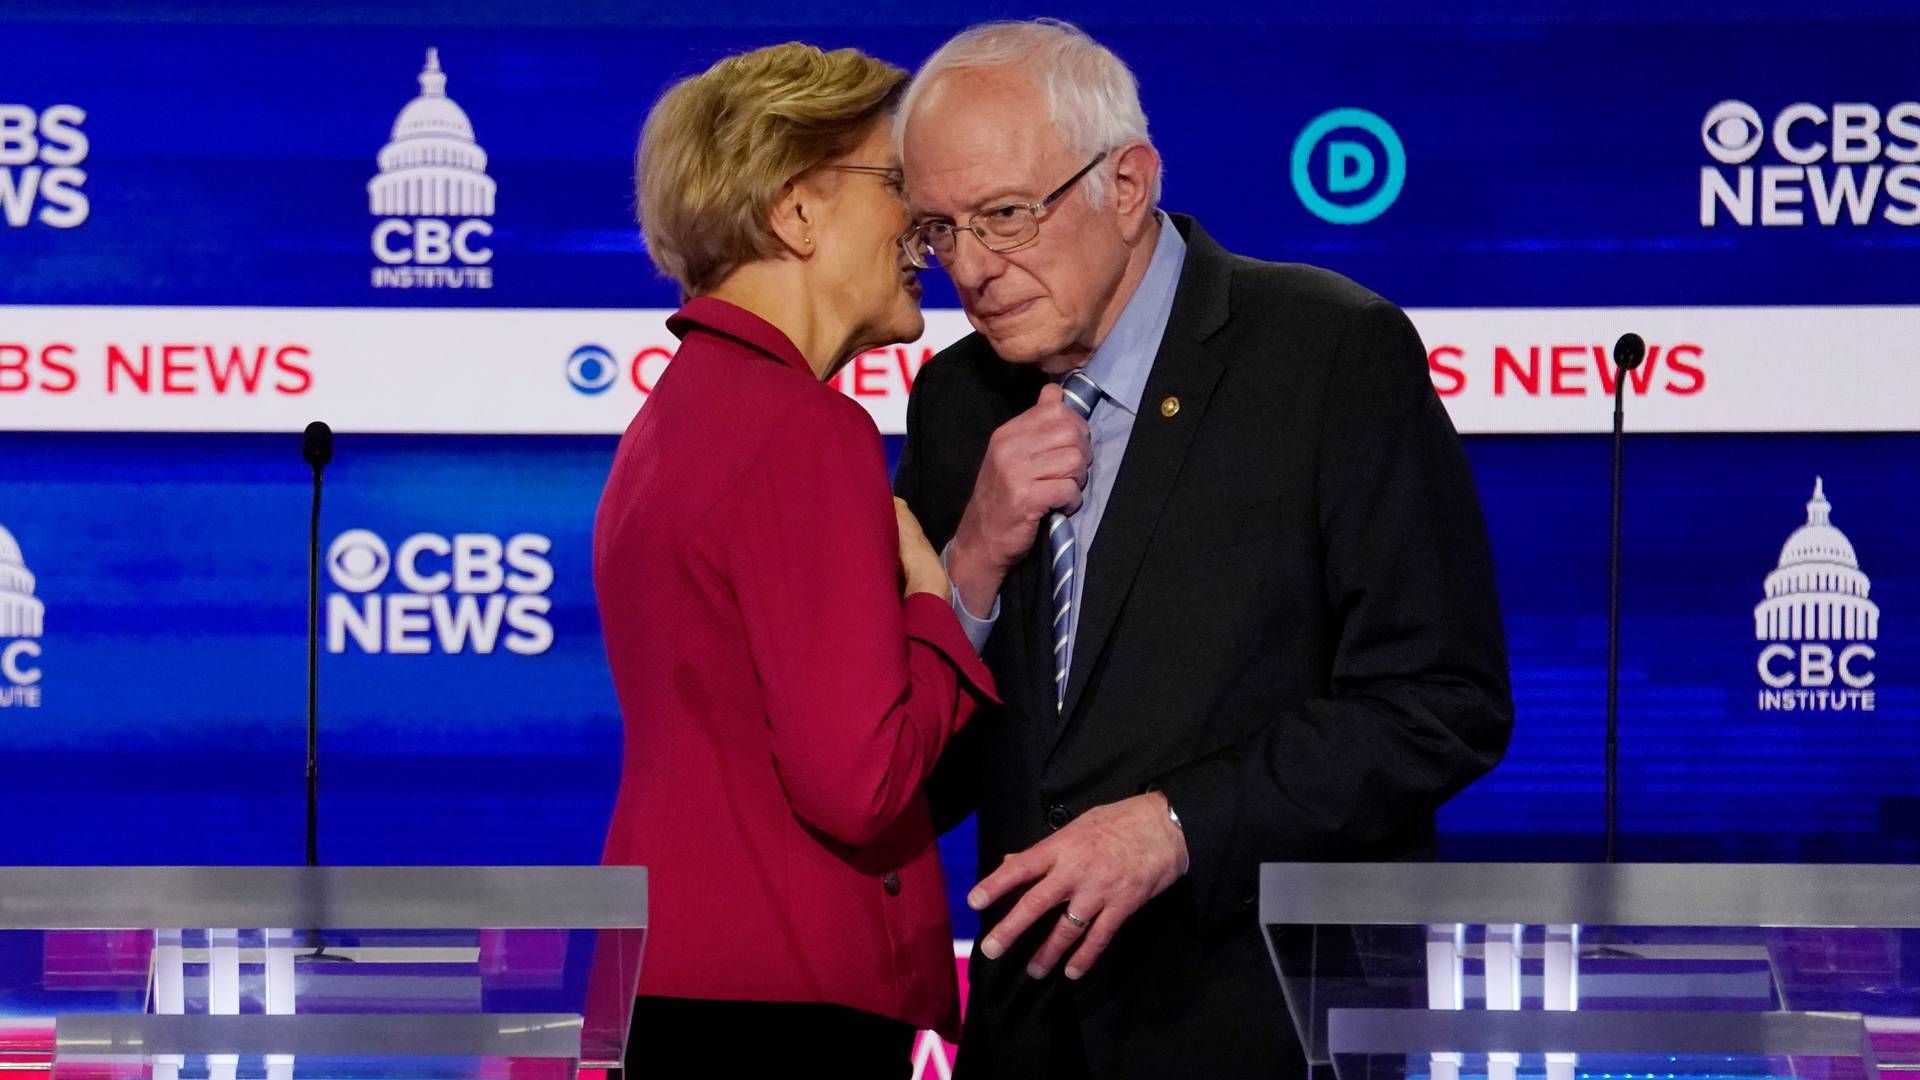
pixel 1104 866
pixel 1036 462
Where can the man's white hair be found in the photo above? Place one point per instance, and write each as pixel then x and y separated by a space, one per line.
pixel 1091 95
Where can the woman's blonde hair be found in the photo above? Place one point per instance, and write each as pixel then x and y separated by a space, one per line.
pixel 720 147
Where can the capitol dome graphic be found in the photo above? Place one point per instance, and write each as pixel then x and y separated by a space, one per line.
pixel 1818 593
pixel 431 166
pixel 20 613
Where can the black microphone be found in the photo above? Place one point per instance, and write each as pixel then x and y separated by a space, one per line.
pixel 316 446
pixel 1628 353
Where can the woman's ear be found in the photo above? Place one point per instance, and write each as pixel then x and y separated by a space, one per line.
pixel 793 220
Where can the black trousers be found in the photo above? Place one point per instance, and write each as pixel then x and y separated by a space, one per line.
pixel 676 1037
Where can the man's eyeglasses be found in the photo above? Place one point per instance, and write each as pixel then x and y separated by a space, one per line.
pixel 932 242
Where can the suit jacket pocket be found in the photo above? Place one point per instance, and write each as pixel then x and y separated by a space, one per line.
pixel 1195 536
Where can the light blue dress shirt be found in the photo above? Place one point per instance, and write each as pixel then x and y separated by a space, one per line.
pixel 1119 367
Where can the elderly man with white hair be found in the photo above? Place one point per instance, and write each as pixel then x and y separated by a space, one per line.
pixel 1212 530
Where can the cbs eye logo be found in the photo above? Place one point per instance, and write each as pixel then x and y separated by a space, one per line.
pixel 358 560
pixel 1732 132
pixel 592 369
pixel 1360 172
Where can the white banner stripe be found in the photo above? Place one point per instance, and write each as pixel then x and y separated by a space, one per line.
pixel 587 371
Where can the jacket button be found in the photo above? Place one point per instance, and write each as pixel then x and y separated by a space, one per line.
pixel 1057 817
pixel 891 883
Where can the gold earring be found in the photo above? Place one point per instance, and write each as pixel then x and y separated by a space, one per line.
pixel 809 239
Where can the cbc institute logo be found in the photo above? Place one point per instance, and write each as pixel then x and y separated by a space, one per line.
pixel 466 593
pixel 433 196
pixel 1817 621
pixel 21 618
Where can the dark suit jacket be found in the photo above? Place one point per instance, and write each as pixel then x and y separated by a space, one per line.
pixel 1289 625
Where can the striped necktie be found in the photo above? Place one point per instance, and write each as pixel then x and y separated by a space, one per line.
pixel 1081 396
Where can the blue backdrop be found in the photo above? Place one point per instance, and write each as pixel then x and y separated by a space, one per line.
pixel 1554 158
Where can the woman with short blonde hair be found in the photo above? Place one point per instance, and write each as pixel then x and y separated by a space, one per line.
pixel 719 148
pixel 787 660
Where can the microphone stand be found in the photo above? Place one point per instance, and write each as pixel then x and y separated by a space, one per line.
pixel 313 676
pixel 317 448
pixel 1628 352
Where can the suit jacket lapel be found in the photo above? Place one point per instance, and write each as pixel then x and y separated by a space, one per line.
pixel 1156 449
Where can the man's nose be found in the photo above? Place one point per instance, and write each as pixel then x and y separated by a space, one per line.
pixel 972 264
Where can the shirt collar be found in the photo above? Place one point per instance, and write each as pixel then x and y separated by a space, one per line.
pixel 1120 366
pixel 734 321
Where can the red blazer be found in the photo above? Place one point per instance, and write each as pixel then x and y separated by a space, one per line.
pixel 783 706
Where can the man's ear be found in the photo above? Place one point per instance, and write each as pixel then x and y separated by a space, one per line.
pixel 1135 168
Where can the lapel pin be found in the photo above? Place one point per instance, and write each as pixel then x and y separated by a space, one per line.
pixel 1170 408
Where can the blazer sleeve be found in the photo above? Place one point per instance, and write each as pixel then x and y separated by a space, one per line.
pixel 952 791
pixel 863 690
pixel 1419 703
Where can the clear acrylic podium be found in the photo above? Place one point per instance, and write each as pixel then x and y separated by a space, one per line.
pixel 277 973
pixel 1441 971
